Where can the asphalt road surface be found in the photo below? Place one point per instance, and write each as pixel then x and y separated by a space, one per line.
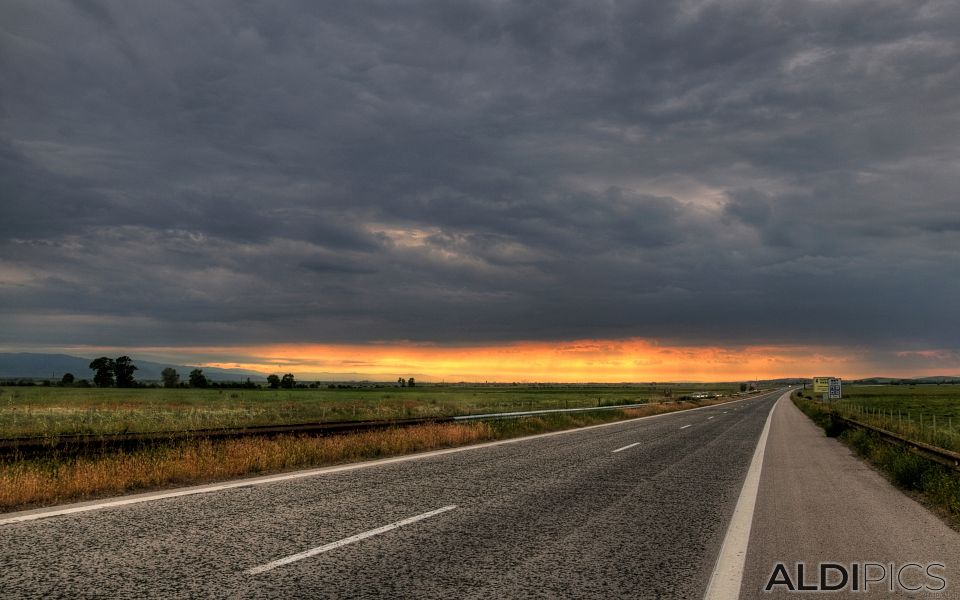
pixel 637 509
pixel 556 516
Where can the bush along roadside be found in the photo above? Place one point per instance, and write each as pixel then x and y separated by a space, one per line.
pixel 938 485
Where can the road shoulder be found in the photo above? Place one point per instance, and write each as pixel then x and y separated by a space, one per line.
pixel 819 503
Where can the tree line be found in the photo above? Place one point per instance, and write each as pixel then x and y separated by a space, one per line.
pixel 109 372
pixel 119 372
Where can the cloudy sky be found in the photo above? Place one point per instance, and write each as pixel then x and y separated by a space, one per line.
pixel 592 190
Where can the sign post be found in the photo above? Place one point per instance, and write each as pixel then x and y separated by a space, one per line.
pixel 835 388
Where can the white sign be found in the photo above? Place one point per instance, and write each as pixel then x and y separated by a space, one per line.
pixel 835 388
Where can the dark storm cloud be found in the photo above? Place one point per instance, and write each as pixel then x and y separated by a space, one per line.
pixel 700 172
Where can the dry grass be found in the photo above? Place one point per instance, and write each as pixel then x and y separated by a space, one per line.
pixel 53 411
pixel 52 481
pixel 26 484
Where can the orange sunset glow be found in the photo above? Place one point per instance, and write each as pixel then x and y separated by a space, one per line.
pixel 574 361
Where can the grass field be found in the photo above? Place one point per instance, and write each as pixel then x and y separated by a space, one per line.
pixel 926 413
pixel 57 479
pixel 53 411
pixel 938 485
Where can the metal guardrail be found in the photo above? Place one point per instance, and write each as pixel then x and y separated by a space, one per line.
pixel 39 446
pixel 29 447
pixel 940 455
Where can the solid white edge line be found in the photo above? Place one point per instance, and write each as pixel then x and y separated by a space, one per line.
pixel 628 446
pixel 54 511
pixel 345 541
pixel 728 572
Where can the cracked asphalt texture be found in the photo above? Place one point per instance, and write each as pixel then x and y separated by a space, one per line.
pixel 558 516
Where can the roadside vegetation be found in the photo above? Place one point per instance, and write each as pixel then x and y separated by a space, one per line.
pixel 55 479
pixel 924 413
pixel 51 411
pixel 937 485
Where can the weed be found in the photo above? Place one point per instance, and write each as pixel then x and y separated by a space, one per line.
pixel 57 479
pixel 51 411
pixel 939 484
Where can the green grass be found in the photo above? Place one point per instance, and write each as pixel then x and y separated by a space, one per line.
pixel 56 478
pixel 924 413
pixel 938 484
pixel 53 411
pixel 940 400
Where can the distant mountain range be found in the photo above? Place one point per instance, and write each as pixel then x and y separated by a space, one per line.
pixel 871 380
pixel 46 366
pixel 889 380
pixel 27 365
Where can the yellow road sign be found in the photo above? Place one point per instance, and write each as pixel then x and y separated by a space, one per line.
pixel 821 385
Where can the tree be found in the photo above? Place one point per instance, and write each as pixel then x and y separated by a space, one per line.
pixel 123 369
pixel 104 371
pixel 401 382
pixel 67 379
pixel 273 381
pixel 170 377
pixel 743 387
pixel 288 381
pixel 198 379
pixel 411 382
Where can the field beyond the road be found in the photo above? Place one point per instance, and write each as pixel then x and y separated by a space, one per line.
pixel 926 413
pixel 58 478
pixel 920 413
pixel 53 411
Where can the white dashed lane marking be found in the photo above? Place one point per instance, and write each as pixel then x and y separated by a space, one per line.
pixel 345 541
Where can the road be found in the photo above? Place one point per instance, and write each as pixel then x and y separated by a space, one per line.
pixel 560 515
pixel 637 509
